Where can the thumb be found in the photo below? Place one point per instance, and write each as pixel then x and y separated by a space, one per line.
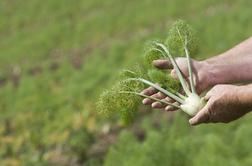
pixel 201 117
pixel 162 64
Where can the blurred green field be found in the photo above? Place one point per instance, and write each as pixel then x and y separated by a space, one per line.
pixel 56 56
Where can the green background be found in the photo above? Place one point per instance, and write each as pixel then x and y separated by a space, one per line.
pixel 57 56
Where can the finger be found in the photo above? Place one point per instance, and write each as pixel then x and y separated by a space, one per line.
pixel 201 117
pixel 157 105
pixel 159 96
pixel 168 107
pixel 149 91
pixel 162 64
pixel 148 101
pixel 171 108
pixel 170 100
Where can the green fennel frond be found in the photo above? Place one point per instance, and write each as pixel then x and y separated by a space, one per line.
pixel 176 41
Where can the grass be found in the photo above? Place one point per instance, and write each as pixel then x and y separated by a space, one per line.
pixel 40 115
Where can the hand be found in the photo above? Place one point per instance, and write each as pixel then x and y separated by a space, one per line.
pixel 200 70
pixel 225 104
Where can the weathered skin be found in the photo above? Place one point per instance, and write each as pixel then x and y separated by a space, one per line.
pixel 225 104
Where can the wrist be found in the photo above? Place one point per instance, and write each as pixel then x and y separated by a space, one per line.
pixel 218 73
pixel 226 69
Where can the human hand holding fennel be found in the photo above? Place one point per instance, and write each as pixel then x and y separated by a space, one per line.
pixel 225 103
pixel 221 69
pixel 193 76
pixel 202 78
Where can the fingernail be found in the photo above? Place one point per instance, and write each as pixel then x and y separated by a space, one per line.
pixel 153 105
pixel 192 122
pixel 156 105
pixel 145 101
pixel 167 108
